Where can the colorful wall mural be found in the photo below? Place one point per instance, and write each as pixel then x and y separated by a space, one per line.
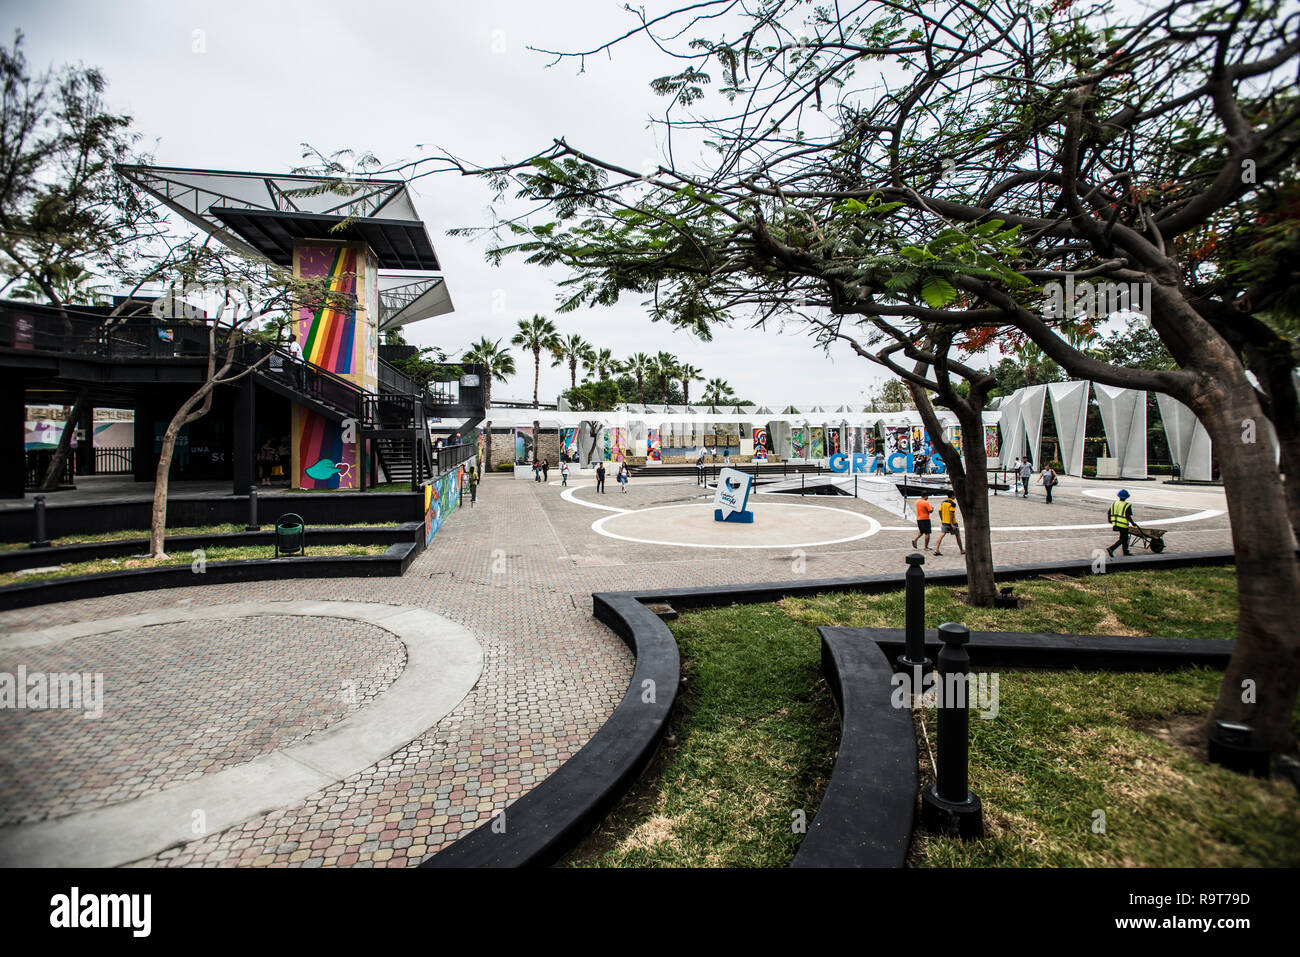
pixel 832 441
pixel 798 444
pixel 442 497
pixel 341 337
pixel 991 445
pixel 653 446
pixel 569 443
pixel 898 448
pixel 817 443
pixel 760 445
pixel 523 445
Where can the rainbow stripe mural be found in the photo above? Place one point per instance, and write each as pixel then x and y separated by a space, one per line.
pixel 328 334
pixel 327 461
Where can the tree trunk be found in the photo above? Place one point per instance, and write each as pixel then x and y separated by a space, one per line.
pixel 1265 666
pixel 537 378
pixel 969 478
pixel 487 448
pixel 64 449
pixel 640 392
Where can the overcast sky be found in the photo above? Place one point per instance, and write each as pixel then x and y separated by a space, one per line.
pixel 269 76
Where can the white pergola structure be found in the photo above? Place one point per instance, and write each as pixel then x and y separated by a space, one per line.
pixel 1124 420
pixel 1189 443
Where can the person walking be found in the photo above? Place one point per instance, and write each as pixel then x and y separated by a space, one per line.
pixel 295 353
pixel 1121 517
pixel 1026 473
pixel 699 469
pixel 564 474
pixel 1049 482
pixel 546 470
pixel 624 473
pixel 600 477
pixel 726 456
pixel 948 524
pixel 473 485
pixel 923 510
pixel 878 467
pixel 537 471
pixel 1015 475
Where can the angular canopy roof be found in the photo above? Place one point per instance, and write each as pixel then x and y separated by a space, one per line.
pixel 263 213
pixel 406 299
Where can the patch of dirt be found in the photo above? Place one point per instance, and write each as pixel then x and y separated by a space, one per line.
pixel 1187 732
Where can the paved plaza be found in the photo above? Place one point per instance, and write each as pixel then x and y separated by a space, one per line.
pixel 435 699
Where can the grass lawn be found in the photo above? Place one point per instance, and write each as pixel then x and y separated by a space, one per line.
pixel 185 557
pixel 131 534
pixel 755 732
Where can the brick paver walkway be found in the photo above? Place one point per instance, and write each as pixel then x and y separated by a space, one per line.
pixel 518 571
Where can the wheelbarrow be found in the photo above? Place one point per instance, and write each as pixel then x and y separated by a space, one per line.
pixel 1152 538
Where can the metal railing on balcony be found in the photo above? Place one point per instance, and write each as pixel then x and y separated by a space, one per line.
pixel 118 461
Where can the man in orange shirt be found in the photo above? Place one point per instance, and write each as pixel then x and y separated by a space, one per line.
pixel 923 510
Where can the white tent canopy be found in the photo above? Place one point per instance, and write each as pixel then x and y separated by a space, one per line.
pixel 1070 409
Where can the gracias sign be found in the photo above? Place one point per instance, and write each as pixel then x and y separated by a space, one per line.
pixel 860 463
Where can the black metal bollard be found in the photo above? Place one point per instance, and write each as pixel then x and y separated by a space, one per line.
pixel 38 513
pixel 253 525
pixel 949 807
pixel 914 624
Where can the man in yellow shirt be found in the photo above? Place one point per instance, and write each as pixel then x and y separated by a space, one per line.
pixel 948 524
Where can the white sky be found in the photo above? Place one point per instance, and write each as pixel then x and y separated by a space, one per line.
pixel 274 75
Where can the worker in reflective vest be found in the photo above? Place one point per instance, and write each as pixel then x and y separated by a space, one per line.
pixel 1121 517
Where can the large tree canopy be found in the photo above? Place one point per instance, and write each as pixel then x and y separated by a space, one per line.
pixel 920 179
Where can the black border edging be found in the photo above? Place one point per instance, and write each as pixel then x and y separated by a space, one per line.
pixel 1011 649
pixel 393 563
pixel 867 812
pixel 706 597
pixel 20 558
pixel 555 815
pixel 319 508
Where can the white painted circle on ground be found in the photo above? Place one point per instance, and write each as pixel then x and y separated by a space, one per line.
pixel 774 526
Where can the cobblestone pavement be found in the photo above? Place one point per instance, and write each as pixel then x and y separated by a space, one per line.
pixel 518 570
pixel 181 701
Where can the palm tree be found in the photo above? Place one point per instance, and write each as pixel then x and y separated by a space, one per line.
pixel 536 334
pixel 717 391
pixel 665 365
pixel 498 365
pixel 605 364
pixel 688 374
pixel 640 365
pixel 573 349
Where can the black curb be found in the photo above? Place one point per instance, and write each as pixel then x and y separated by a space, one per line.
pixel 868 809
pixel 1008 649
pixel 707 597
pixel 129 512
pixel 18 559
pixel 554 816
pixel 393 563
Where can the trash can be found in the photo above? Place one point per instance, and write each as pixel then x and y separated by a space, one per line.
pixel 290 535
